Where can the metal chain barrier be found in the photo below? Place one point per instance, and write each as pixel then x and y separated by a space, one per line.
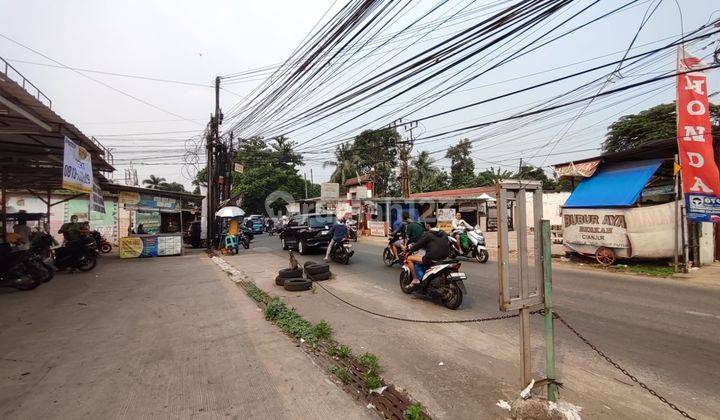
pixel 620 368
pixel 420 321
pixel 515 315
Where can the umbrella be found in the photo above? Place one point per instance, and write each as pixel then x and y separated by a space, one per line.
pixel 486 197
pixel 230 211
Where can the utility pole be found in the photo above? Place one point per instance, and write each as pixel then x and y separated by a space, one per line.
pixel 213 143
pixel 404 149
pixel 305 182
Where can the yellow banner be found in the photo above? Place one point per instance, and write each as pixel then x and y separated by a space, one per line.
pixel 130 247
pixel 129 197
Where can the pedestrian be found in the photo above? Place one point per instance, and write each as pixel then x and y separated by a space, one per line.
pixel 23 231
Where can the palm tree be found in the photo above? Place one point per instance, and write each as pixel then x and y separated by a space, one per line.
pixel 154 181
pixel 345 163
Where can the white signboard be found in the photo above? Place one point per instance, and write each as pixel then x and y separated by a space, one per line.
pixel 329 191
pixel 239 168
pixel 77 168
pixel 98 204
pixel 445 215
pixel 376 228
pixel 596 227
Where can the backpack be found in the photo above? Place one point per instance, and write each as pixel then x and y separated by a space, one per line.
pixel 414 231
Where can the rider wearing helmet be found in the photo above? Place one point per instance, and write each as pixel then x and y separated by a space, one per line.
pixel 436 246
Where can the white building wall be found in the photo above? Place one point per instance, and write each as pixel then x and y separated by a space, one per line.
pixel 552 206
pixel 707 244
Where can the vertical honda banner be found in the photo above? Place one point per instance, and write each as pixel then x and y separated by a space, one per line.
pixel 700 178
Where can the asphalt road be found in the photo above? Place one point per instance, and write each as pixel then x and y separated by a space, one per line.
pixel 665 331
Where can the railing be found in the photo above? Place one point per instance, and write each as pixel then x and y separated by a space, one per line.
pixel 9 71
pixel 107 154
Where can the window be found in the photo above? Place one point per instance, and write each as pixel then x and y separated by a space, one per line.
pixel 322 220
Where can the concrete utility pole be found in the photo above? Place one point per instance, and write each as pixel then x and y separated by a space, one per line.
pixel 404 149
pixel 213 142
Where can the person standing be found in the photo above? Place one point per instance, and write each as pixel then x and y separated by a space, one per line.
pixel 23 231
pixel 71 231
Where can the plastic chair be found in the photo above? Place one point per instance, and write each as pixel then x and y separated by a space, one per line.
pixel 231 242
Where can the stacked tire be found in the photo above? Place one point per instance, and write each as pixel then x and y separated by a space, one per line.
pixel 292 280
pixel 317 271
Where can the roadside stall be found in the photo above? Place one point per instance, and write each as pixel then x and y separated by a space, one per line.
pixel 154 225
pixel 624 210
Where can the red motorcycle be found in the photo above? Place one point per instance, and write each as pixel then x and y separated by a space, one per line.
pixel 102 244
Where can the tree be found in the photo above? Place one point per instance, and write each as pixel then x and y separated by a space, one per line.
pixel 425 176
pixel 345 163
pixel 171 186
pixel 375 153
pixel 492 175
pixel 536 173
pixel 153 181
pixel 284 152
pixel 462 167
pixel 656 123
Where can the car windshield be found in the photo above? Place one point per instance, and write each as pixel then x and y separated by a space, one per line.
pixel 321 220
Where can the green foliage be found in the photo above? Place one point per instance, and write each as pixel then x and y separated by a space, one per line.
pixel 533 172
pixel 153 181
pixel 342 373
pixel 462 166
pixel 656 123
pixel 258 294
pixel 370 362
pixel 344 351
pixel 322 331
pixel 274 308
pixel 269 166
pixel 491 176
pixel 414 412
pixel 425 176
pixel 171 186
pixel 372 380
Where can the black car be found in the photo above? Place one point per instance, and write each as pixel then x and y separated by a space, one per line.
pixel 306 231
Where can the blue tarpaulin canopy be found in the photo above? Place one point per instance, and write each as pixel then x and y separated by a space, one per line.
pixel 614 185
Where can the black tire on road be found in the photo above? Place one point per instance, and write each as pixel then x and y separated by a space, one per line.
pixel 88 264
pixel 320 276
pixel 455 300
pixel 482 256
pixel 306 264
pixel 297 285
pixel 388 258
pixel 405 279
pixel 280 281
pixel 28 283
pixel 302 247
pixel 289 273
pixel 105 248
pixel 284 244
pixel 317 269
pixel 245 243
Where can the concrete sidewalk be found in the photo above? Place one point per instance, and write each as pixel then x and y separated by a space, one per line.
pixel 165 337
pixel 708 274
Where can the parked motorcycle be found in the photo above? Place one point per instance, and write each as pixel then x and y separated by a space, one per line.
pixel 20 269
pixel 472 245
pixel 342 251
pixel 82 255
pixel 441 281
pixel 388 257
pixel 102 244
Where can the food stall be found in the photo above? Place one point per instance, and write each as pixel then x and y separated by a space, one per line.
pixel 154 224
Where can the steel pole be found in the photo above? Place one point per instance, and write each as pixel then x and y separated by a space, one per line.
pixel 549 321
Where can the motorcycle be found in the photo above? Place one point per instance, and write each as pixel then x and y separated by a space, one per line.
pixel 102 244
pixel 352 231
pixel 83 257
pixel 342 251
pixel 472 245
pixel 388 257
pixel 21 269
pixel 442 281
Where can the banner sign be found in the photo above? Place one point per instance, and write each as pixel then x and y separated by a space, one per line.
pixel 700 177
pixel 77 168
pixel 329 191
pixel 98 204
pixel 376 228
pixel 597 227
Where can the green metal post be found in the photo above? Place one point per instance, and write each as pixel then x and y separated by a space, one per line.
pixel 549 322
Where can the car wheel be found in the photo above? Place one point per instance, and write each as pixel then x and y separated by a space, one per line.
pixel 284 244
pixel 302 247
pixel 297 285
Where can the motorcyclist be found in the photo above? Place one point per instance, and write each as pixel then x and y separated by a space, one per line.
pixel 399 233
pixel 436 246
pixel 458 226
pixel 338 231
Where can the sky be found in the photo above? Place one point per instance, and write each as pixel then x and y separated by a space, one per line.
pixel 146 122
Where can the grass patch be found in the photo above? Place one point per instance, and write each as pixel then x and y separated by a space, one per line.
pixel 648 269
pixel 372 380
pixel 414 412
pixel 370 362
pixel 322 331
pixel 341 351
pixel 342 373
pixel 258 294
